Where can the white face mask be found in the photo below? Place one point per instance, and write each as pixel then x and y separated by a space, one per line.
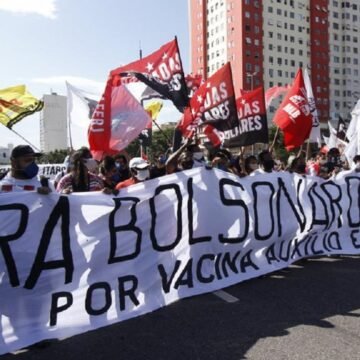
pixel 142 174
pixel 91 164
pixel 198 155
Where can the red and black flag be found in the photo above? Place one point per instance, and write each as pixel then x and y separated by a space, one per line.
pixel 193 82
pixel 213 107
pixel 252 118
pixel 162 71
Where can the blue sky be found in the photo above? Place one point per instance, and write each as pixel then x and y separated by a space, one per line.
pixel 49 41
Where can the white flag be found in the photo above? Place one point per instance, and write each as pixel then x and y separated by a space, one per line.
pixel 315 131
pixel 80 105
pixel 333 140
pixel 353 134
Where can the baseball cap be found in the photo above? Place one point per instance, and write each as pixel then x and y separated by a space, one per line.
pixel 23 150
pixel 138 163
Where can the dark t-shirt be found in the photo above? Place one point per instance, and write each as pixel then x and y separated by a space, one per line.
pixel 124 174
pixel 155 172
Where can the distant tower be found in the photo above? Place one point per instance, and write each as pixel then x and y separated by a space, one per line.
pixel 53 123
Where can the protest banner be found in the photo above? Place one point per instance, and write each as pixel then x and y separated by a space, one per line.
pixel 70 264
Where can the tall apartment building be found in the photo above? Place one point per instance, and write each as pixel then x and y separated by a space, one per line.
pixel 53 123
pixel 267 41
pixel 5 154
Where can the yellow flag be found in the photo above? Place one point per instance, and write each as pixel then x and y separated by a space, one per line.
pixel 153 108
pixel 16 103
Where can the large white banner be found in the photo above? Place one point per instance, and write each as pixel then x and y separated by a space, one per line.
pixel 69 264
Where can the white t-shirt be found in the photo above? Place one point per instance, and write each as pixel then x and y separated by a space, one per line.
pixel 198 163
pixel 258 172
pixel 9 183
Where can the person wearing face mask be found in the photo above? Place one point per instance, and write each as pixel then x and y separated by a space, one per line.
pixel 221 161
pixel 122 167
pixel 250 164
pixel 266 163
pixel 139 169
pixel 80 178
pixel 109 174
pixel 197 155
pixel 24 172
pixel 158 169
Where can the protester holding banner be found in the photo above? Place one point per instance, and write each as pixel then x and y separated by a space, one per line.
pixel 158 169
pixel 139 169
pixel 356 163
pixel 250 164
pixel 221 161
pixel 197 155
pixel 80 178
pixel 109 174
pixel 122 166
pixel 297 165
pixel 23 174
pixel 266 163
pixel 68 165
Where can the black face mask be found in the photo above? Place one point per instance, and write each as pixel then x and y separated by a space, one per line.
pixel 268 165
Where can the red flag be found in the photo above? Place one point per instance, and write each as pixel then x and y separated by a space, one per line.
pixel 213 105
pixel 273 93
pixel 162 71
pixel 193 82
pixel 117 120
pixel 293 116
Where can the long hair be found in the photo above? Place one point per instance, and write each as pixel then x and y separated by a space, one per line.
pixel 80 176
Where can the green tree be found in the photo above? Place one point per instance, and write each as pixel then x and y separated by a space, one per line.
pixel 161 141
pixel 54 157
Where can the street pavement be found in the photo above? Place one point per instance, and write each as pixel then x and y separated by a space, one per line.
pixel 308 311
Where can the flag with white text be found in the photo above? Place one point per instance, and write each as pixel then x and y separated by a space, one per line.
pixel 162 71
pixel 117 121
pixel 213 107
pixel 294 117
pixel 252 118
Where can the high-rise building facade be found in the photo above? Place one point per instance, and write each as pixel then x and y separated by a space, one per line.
pixel 53 123
pixel 267 41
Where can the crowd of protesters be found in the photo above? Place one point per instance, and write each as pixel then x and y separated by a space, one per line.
pixel 113 173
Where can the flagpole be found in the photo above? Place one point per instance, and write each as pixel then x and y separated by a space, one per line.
pixel 162 132
pixel 307 150
pixel 70 137
pixel 140 50
pixel 274 140
pixel 15 132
